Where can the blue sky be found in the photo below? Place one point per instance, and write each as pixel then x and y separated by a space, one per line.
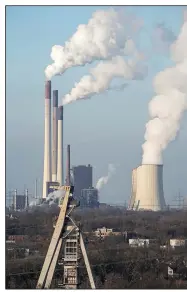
pixel 109 128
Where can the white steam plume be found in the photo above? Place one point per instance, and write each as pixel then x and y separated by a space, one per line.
pixel 51 199
pixel 103 37
pixel 55 195
pixel 104 180
pixel 102 75
pixel 168 106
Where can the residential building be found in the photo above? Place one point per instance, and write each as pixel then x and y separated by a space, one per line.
pixel 175 243
pixel 103 232
pixel 141 242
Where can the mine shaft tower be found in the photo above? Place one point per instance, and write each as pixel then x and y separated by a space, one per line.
pixel 65 247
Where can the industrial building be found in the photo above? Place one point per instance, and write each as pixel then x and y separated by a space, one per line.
pixel 19 202
pixel 82 179
pixel 89 198
pixel 147 188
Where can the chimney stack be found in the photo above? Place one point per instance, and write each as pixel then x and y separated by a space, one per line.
pixel 68 182
pixel 47 138
pixel 60 146
pixel 55 137
pixel 15 200
pixel 26 199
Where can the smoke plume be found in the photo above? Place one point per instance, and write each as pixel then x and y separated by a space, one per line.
pixel 168 106
pixel 104 180
pixel 102 75
pixel 51 199
pixel 55 195
pixel 101 38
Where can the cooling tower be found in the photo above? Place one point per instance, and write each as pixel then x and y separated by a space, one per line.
pixel 148 187
pixel 55 136
pixel 60 146
pixel 47 138
pixel 68 166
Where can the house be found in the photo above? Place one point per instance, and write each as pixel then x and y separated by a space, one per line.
pixel 175 243
pixel 141 242
pixel 177 271
pixel 103 232
pixel 17 238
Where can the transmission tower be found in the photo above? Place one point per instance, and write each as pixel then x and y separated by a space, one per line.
pixel 180 201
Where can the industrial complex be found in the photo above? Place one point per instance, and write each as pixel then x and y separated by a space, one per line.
pixel 147 191
pixel 80 176
pixel 62 235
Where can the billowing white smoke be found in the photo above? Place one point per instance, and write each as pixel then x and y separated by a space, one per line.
pixel 102 38
pixel 167 107
pixel 102 76
pixel 51 199
pixel 55 195
pixel 104 180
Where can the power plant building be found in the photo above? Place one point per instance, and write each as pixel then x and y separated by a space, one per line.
pixel 20 202
pixel 82 177
pixel 89 198
pixel 147 188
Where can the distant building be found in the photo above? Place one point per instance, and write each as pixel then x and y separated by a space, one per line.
pixel 89 198
pixel 19 202
pixel 17 238
pixel 82 179
pixel 174 243
pixel 141 242
pixel 103 232
pixel 50 186
pixel 177 271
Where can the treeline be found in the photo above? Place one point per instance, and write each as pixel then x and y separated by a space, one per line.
pixel 159 225
pixel 114 264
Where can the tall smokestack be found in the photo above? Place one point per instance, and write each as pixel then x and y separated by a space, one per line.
pixel 55 137
pixel 68 182
pixel 47 138
pixel 15 200
pixel 26 198
pixel 60 146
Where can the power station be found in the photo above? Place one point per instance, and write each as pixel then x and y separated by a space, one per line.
pixel 147 188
